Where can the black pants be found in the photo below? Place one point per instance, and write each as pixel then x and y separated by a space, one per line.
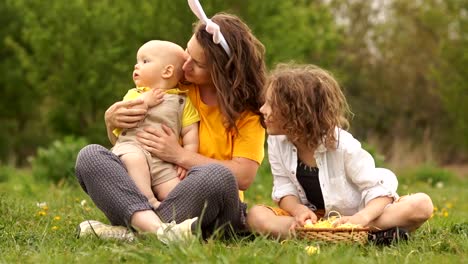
pixel 209 192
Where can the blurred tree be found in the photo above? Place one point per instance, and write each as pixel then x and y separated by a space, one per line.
pixel 297 30
pixel 81 53
pixel 398 60
pixel 20 100
pixel 401 63
pixel 452 72
pixel 77 56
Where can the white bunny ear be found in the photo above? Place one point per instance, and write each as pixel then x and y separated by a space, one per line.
pixel 211 27
pixel 197 9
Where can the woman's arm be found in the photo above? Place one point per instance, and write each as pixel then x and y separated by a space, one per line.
pixel 123 114
pixel 164 145
pixel 130 111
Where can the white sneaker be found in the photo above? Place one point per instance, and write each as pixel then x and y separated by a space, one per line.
pixel 172 232
pixel 103 231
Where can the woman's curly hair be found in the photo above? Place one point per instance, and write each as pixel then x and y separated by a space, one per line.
pixel 309 103
pixel 240 77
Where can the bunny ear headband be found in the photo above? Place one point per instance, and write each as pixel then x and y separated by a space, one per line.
pixel 211 27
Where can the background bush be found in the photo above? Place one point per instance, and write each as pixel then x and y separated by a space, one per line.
pixel 57 162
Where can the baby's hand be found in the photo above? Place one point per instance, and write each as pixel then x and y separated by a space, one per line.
pixel 181 172
pixel 154 97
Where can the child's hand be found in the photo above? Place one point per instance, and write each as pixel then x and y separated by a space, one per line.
pixel 356 219
pixel 306 216
pixel 181 172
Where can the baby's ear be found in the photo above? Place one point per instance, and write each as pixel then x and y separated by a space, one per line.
pixel 168 71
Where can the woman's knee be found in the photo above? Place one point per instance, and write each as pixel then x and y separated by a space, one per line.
pixel 215 176
pixel 87 153
pixel 88 159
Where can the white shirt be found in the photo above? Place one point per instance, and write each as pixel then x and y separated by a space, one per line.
pixel 348 176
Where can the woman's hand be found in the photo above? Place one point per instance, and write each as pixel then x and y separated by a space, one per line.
pixel 125 114
pixel 162 144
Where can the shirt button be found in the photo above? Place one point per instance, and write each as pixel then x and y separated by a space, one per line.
pixel 292 172
pixel 294 150
pixel 124 133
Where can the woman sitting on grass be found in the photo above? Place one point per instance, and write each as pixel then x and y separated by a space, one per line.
pixel 318 167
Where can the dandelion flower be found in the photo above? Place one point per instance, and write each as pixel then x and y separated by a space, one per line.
pixel 55 228
pixel 445 214
pixel 449 205
pixel 311 250
pixel 41 213
pixel 57 218
pixel 83 202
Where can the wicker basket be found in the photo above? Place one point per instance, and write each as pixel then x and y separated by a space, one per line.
pixel 334 235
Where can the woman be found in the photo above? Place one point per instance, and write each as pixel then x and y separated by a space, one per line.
pixel 318 167
pixel 226 83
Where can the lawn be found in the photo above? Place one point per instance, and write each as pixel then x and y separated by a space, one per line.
pixel 38 221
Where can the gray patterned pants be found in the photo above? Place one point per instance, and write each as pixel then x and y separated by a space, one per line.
pixel 209 192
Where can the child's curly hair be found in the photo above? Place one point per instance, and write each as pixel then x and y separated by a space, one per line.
pixel 309 103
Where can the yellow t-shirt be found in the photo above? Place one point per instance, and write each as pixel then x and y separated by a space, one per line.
pixel 189 115
pixel 216 143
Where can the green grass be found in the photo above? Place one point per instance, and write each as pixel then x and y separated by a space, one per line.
pixel 31 234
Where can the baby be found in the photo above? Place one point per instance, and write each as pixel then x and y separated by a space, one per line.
pixel 159 66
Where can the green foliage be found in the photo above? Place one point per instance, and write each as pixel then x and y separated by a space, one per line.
pixel 379 158
pixel 260 190
pixel 403 67
pixel 6 172
pixel 429 174
pixel 57 162
pixel 433 175
pixel 75 58
pixel 401 64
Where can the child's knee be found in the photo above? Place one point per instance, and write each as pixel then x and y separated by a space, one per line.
pixel 257 217
pixel 421 205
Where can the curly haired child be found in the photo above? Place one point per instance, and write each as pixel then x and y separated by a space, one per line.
pixel 319 167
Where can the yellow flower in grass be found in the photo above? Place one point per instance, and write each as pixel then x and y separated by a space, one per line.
pixel 449 205
pixel 446 214
pixel 311 250
pixel 57 218
pixel 55 228
pixel 41 213
pixel 436 209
